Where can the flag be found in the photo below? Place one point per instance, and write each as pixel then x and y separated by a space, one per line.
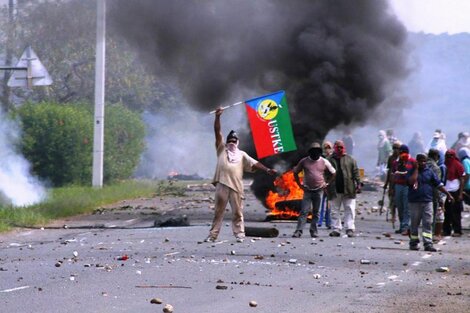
pixel 270 124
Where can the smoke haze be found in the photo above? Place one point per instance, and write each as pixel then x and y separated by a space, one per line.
pixel 339 61
pixel 17 186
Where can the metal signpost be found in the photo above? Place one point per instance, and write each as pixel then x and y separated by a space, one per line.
pixel 28 72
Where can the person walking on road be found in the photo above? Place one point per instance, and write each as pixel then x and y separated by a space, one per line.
pixel 401 171
pixel 228 180
pixel 384 149
pixel 389 180
pixel 343 190
pixel 315 167
pixel 438 197
pixel 420 196
pixel 455 185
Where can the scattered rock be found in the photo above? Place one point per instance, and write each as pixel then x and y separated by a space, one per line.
pixel 253 304
pixel 221 287
pixel 168 308
pixel 442 269
pixel 156 301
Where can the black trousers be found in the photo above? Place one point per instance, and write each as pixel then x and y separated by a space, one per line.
pixel 453 215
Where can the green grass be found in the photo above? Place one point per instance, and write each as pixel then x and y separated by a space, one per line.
pixel 75 200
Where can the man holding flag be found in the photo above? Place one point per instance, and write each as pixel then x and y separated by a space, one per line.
pixel 228 180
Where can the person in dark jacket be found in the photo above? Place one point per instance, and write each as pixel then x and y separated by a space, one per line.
pixel 343 190
pixel 421 186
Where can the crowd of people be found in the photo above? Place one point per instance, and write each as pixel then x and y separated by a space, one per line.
pixel 426 185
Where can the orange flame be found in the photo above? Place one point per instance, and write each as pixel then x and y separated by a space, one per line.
pixel 287 190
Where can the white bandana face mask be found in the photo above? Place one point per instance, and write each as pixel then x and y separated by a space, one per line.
pixel 233 153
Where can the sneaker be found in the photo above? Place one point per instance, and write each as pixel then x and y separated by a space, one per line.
pixel 210 239
pixel 398 231
pixel 414 247
pixel 456 235
pixel 313 234
pixel 350 233
pixel 430 248
pixel 297 234
pixel 335 233
pixel 406 232
pixel 240 240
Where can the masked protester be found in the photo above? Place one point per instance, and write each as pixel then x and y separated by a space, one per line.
pixel 454 184
pixel 314 167
pixel 231 163
pixel 438 197
pixel 389 181
pixel 342 192
pixel 420 196
pixel 401 170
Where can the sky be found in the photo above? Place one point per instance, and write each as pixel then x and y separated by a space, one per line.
pixel 433 16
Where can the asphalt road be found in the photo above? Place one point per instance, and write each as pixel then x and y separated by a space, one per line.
pixel 74 266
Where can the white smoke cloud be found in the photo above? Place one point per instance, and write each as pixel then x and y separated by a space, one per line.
pixel 17 186
pixel 183 141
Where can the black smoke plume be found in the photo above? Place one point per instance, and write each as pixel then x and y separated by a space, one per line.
pixel 338 60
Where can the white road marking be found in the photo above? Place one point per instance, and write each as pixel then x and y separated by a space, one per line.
pixel 14 289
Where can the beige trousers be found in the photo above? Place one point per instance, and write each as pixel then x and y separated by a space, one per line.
pixel 224 195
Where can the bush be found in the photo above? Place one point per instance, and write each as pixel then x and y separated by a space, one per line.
pixel 58 141
pixel 124 134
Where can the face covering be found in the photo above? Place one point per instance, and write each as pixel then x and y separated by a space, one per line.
pixel 233 153
pixel 404 156
pixel 314 154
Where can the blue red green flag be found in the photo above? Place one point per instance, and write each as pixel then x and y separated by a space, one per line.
pixel 270 124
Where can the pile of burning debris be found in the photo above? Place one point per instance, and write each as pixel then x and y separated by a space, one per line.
pixel 284 203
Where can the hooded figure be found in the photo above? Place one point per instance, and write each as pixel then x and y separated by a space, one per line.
pixel 384 148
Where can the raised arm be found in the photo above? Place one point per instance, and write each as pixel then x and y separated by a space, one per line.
pixel 217 128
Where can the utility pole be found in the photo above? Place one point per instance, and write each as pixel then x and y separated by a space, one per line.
pixel 98 138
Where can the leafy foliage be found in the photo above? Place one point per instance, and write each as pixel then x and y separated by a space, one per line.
pixel 58 141
pixel 63 34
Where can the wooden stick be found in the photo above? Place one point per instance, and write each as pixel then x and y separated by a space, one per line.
pixel 226 107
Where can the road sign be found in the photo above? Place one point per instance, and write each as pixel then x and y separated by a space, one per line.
pixel 35 74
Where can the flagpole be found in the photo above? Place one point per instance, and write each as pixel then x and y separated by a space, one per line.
pixel 228 106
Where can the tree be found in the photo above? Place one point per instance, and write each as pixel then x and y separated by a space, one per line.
pixel 63 34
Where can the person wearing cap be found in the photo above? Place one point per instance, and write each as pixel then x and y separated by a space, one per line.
pixel 421 184
pixel 315 168
pixel 401 170
pixel 228 180
pixel 342 191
